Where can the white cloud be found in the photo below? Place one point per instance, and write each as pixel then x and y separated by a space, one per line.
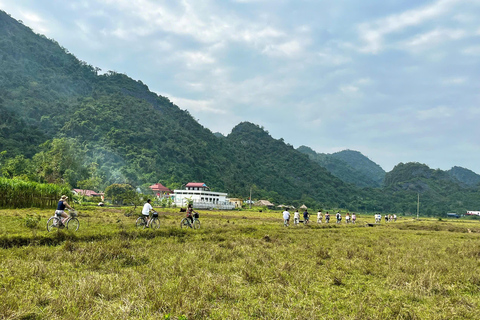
pixel 471 51
pixel 435 113
pixel 373 33
pixel 287 49
pixel 348 89
pixel 434 37
pixel 454 81
pixel 333 58
pixel 34 21
pixel 197 106
pixel 195 59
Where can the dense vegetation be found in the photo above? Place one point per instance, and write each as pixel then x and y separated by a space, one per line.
pixel 65 122
pixel 237 266
pixel 22 194
pixel 349 166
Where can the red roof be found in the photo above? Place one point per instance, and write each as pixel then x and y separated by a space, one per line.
pixel 196 184
pixel 88 193
pixel 159 187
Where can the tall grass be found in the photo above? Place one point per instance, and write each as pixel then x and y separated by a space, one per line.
pixel 239 267
pixel 15 193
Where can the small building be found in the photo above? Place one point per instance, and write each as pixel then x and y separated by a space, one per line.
pixel 236 201
pixel 453 215
pixel 160 190
pixel 199 194
pixel 473 213
pixel 264 203
pixel 87 193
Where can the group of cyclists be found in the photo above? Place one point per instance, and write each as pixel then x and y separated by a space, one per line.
pixel 147 208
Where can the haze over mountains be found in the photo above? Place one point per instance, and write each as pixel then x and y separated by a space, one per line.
pixel 120 132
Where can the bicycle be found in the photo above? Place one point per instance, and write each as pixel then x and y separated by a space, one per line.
pixel 71 223
pixel 154 222
pixel 186 222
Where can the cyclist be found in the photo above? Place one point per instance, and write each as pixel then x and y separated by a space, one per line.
pixel 147 207
pixel 190 213
pixel 62 204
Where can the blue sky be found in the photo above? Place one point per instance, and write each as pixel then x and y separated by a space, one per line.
pixel 396 80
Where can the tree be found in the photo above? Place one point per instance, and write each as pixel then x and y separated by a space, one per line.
pixel 120 193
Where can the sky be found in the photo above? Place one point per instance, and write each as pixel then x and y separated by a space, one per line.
pixel 397 80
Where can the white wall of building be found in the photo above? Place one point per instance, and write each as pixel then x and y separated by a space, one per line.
pixel 202 199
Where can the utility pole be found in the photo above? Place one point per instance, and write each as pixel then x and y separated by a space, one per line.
pixel 418 204
pixel 250 200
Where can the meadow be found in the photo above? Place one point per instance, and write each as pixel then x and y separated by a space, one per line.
pixel 239 265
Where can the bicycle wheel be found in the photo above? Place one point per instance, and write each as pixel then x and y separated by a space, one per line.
pixel 53 222
pixel 184 223
pixel 155 223
pixel 73 224
pixel 196 224
pixel 141 223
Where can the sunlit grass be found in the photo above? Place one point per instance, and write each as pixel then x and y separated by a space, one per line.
pixel 239 265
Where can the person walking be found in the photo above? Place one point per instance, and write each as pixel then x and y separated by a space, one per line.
pixel 306 217
pixel 327 217
pixel 319 216
pixel 339 217
pixel 286 218
pixel 296 217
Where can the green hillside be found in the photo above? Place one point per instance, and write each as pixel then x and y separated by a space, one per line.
pixel 465 176
pixel 349 166
pixel 439 192
pixel 64 122
pixel 119 131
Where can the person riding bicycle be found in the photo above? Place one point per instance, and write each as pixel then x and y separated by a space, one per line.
pixel 62 204
pixel 190 213
pixel 147 207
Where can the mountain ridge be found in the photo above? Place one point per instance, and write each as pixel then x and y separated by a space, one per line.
pixel 117 131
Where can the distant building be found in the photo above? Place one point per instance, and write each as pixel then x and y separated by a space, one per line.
pixel 201 197
pixel 453 215
pixel 237 202
pixel 473 213
pixel 264 203
pixel 87 193
pixel 160 190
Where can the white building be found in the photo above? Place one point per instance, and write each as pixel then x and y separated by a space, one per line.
pixel 201 197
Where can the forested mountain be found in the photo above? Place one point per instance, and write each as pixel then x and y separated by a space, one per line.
pixel 119 131
pixel 272 165
pixel 349 166
pixel 439 191
pixel 466 176
pixel 63 122
pixel 132 134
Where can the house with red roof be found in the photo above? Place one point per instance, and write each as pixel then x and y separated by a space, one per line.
pixel 87 193
pixel 160 190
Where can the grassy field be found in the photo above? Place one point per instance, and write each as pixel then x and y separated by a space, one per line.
pixel 239 265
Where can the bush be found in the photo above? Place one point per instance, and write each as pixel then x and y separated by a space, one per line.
pixel 31 221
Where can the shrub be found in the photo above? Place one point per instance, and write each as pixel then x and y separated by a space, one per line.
pixel 31 221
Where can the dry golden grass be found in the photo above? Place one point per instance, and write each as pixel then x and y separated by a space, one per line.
pixel 240 265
